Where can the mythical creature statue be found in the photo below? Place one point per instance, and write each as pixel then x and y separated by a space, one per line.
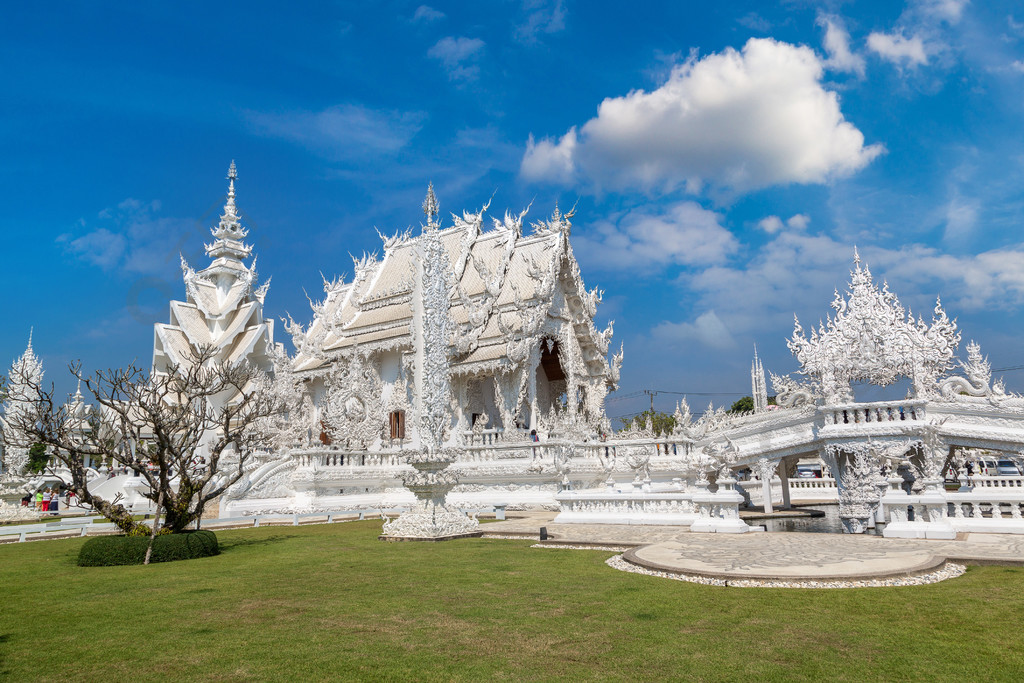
pixel 978 379
pixel 790 393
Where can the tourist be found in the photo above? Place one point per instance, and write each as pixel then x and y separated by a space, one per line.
pixel 45 501
pixel 39 500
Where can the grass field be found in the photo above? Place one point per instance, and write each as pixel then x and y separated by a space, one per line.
pixel 333 602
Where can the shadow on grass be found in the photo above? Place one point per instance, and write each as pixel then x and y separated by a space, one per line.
pixel 237 543
pixel 4 671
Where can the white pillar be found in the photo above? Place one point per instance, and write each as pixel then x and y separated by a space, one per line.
pixel 765 469
pixel 784 478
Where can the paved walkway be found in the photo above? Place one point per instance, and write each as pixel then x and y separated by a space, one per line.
pixel 772 555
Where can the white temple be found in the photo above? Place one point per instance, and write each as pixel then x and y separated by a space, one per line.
pixel 523 357
pixel 464 365
pixel 26 372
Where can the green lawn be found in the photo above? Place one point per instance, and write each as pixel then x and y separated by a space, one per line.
pixel 333 602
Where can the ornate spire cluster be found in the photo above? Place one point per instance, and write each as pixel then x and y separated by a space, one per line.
pixel 758 385
pixel 873 339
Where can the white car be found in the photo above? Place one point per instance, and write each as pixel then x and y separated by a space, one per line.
pixel 1007 468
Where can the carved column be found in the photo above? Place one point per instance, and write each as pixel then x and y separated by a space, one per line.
pixel 784 478
pixel 765 469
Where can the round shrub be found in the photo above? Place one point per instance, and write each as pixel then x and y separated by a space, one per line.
pixel 109 551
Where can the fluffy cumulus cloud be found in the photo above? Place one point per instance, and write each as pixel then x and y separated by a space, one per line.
pixel 459 56
pixel 899 49
pixel 837 44
pixel 735 120
pixel 647 240
pixel 342 132
pixel 774 224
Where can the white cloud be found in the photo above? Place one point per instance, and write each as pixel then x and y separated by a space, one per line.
pixel 797 272
pixel 770 224
pixel 543 16
pixel 132 238
pixel 735 120
pixel 707 329
pixel 550 160
pixel 961 219
pixel 100 247
pixel 774 224
pixel 897 48
pixel 1017 65
pixel 341 132
pixel 799 222
pixel 458 55
pixel 427 14
pixel 837 45
pixel 644 240
pixel 949 11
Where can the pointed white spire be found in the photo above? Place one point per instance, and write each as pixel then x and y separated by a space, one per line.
pixel 758 385
pixel 431 207
pixel 229 232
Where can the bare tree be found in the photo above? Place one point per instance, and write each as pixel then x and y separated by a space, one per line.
pixel 188 433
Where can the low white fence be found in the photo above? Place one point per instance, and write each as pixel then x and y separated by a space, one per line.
pixel 982 505
pixel 699 509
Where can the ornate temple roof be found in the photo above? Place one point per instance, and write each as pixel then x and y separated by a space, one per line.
pixel 502 282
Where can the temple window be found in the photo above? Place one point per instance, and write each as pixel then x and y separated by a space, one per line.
pixel 396 419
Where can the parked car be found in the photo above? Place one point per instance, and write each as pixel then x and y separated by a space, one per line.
pixel 1007 468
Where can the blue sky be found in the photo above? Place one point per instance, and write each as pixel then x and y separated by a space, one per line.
pixel 725 160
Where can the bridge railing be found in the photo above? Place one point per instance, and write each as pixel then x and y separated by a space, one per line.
pixel 878 412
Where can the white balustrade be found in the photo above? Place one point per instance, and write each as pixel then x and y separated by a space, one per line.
pixel 882 412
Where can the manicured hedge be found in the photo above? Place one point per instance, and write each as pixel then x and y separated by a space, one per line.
pixel 108 551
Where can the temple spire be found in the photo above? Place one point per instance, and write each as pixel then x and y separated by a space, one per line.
pixel 758 385
pixel 431 206
pixel 229 231
pixel 230 207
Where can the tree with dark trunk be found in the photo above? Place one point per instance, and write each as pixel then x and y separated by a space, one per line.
pixel 189 433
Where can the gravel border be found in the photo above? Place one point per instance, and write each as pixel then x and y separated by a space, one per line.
pixel 949 570
pixel 566 546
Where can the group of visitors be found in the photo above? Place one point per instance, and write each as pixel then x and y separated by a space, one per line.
pixel 44 500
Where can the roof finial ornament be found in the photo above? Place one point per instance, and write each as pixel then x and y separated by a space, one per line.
pixel 30 331
pixel 230 210
pixel 856 256
pixel 431 206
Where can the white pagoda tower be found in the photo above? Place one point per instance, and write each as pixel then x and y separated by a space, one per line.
pixel 26 374
pixel 224 305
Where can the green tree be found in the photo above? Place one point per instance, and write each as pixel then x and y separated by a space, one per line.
pixel 37 458
pixel 744 405
pixel 662 423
